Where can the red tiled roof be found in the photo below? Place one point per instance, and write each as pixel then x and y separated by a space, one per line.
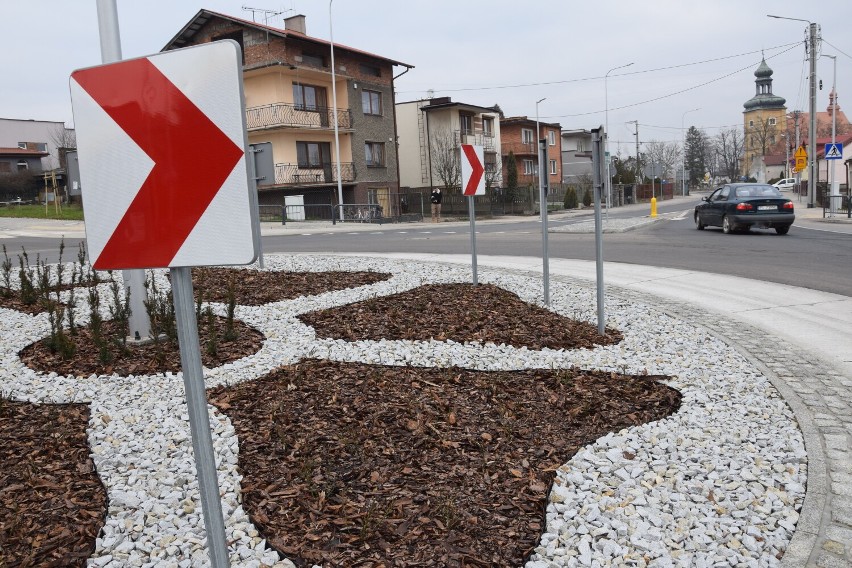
pixel 281 33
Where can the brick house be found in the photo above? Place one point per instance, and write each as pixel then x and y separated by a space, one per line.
pixel 287 82
pixel 519 137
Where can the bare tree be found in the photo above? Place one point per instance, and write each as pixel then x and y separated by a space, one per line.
pixel 761 136
pixel 446 160
pixel 493 172
pixel 64 140
pixel 729 151
pixel 664 154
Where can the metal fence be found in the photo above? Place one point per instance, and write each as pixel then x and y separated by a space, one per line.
pixel 303 116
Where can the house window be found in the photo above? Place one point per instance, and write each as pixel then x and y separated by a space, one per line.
pixel 313 59
pixel 526 136
pixel 551 137
pixel 553 167
pixel 581 146
pixel 771 122
pixel 466 123
pixel 23 166
pixel 311 155
pixel 309 97
pixel 375 154
pixel 490 162
pixel 529 167
pixel 370 70
pixel 751 123
pixel 22 145
pixel 488 126
pixel 371 102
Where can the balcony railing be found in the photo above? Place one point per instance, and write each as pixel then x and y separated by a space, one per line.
pixel 296 116
pixel 293 174
pixel 518 148
pixel 485 139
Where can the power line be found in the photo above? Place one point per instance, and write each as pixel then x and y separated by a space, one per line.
pixel 597 78
pixel 837 48
pixel 686 90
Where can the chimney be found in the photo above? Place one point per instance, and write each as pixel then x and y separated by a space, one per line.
pixel 295 24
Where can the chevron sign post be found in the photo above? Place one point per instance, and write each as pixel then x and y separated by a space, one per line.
pixel 473 183
pixel 165 183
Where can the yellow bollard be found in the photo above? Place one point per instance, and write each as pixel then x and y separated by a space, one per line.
pixel 653 207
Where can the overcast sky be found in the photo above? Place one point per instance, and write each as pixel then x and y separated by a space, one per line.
pixel 685 54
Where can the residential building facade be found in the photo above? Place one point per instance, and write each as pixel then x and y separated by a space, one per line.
pixel 576 156
pixel 430 133
pixel 519 137
pixel 287 81
pixel 29 149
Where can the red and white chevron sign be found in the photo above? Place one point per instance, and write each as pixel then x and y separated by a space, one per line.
pixel 163 173
pixel 472 170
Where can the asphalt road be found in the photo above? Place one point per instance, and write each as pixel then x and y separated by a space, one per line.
pixel 811 256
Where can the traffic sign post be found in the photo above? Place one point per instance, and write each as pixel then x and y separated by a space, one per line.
pixel 473 183
pixel 161 143
pixel 801 158
pixel 834 151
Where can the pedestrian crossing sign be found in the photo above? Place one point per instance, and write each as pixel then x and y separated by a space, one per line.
pixel 834 151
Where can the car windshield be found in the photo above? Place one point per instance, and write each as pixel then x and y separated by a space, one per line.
pixel 758 191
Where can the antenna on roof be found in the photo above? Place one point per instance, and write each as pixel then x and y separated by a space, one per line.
pixel 430 93
pixel 267 14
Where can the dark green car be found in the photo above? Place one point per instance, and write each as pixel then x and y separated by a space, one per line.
pixel 744 206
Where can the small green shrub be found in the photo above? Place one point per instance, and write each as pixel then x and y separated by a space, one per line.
pixel 587 198
pixel 570 198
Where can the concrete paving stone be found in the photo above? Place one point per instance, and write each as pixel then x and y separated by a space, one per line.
pixel 834 547
pixel 841 489
pixel 839 534
pixel 827 560
pixel 841 515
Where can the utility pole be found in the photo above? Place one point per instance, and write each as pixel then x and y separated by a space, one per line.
pixel 636 134
pixel 812 130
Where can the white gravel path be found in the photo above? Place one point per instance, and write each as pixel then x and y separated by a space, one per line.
pixel 717 484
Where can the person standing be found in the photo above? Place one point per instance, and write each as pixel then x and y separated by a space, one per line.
pixel 436 198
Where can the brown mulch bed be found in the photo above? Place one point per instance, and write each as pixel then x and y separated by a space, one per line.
pixel 371 465
pixel 143 359
pixel 460 312
pixel 254 288
pixel 52 502
pixel 348 464
pixel 11 299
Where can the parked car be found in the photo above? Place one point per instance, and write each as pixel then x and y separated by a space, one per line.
pixel 736 206
pixel 785 184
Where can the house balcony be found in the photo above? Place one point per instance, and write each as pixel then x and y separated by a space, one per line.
pixel 282 115
pixel 519 148
pixel 486 140
pixel 292 174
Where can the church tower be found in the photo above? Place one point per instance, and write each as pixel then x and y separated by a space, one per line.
pixel 764 120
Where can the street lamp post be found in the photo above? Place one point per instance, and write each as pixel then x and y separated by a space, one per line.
pixel 683 161
pixel 830 164
pixel 334 113
pixel 608 181
pixel 540 169
pixel 813 30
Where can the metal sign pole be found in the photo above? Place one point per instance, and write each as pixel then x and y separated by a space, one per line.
pixel 471 212
pixel 253 178
pixel 596 170
pixel 199 420
pixel 139 324
pixel 545 259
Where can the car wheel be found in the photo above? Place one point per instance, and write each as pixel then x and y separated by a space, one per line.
pixel 698 224
pixel 727 227
pixel 782 230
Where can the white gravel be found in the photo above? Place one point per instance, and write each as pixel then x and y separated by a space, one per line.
pixel 718 483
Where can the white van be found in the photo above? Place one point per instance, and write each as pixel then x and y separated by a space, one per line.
pixel 785 184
